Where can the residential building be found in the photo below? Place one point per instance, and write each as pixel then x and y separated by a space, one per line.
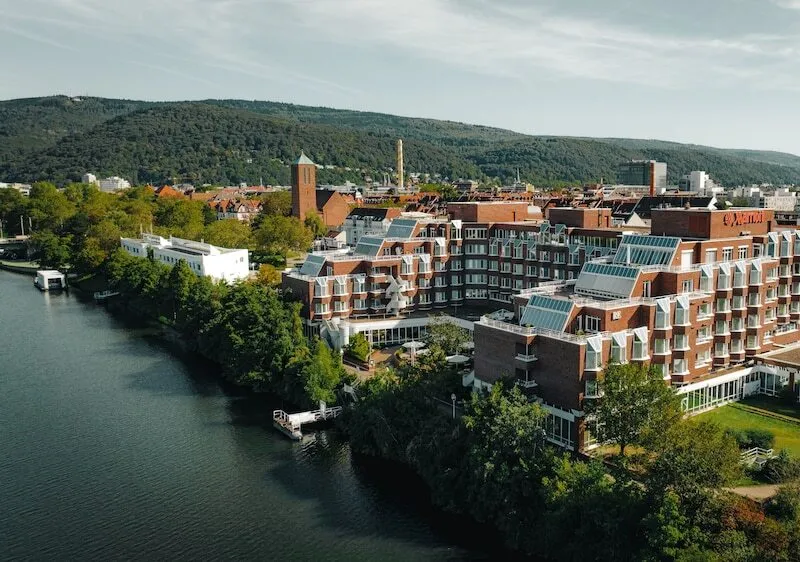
pixel 244 210
pixel 701 296
pixel 221 264
pixel 113 183
pixel 89 178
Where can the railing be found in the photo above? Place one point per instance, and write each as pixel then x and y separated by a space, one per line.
pixel 527 357
pixel 527 383
pixel 756 456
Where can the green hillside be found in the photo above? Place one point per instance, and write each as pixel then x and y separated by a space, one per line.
pixel 221 141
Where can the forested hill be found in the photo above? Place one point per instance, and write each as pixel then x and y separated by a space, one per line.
pixel 227 141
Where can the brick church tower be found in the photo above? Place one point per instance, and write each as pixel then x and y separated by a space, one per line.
pixel 304 187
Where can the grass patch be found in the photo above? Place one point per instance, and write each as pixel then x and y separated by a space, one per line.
pixel 773 405
pixel 787 435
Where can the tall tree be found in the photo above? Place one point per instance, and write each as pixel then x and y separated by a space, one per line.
pixel 313 222
pixel 281 235
pixel 445 335
pixel 228 233
pixel 53 251
pixel 636 405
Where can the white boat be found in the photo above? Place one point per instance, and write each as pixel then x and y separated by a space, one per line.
pixel 50 280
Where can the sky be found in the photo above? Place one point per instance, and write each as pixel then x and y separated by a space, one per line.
pixel 718 72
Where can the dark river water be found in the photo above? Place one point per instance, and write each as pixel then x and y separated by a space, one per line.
pixel 112 447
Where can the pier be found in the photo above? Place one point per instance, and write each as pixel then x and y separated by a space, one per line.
pixel 291 424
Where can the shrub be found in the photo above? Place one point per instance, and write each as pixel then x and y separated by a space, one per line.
pixel 785 506
pixel 781 468
pixel 749 438
pixel 358 347
pixel 788 396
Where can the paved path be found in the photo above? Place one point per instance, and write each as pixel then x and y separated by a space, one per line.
pixel 757 493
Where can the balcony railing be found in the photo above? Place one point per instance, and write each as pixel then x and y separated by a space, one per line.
pixel 527 357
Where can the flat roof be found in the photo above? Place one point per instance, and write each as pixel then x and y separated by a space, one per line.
pixel 789 356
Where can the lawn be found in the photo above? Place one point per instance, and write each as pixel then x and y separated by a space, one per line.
pixel 787 435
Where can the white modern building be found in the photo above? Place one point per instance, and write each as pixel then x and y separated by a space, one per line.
pixel 114 183
pixel 221 264
pixel 91 179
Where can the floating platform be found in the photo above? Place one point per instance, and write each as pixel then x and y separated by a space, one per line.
pixel 291 424
pixel 50 280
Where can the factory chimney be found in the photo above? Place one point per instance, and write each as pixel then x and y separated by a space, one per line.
pixel 400 175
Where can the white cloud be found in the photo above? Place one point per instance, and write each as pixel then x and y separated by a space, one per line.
pixel 788 4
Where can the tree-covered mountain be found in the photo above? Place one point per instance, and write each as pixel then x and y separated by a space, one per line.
pixel 220 141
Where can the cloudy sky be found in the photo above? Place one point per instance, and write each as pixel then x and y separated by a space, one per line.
pixel 718 72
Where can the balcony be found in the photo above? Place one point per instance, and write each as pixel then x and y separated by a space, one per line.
pixel 528 383
pixel 527 357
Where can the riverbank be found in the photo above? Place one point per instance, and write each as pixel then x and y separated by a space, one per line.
pixel 19 267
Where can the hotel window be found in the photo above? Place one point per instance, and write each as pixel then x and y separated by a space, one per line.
pixel 721 328
pixel 339 287
pixel 661 346
pixel 757 250
pixel 755 273
pixel 647 288
pixel 493 265
pixel 329 270
pixel 737 324
pixel 440 282
pixel 783 290
pixel 703 334
pixel 455 250
pixel 574 258
pixel 594 353
pixel 739 275
pixel 704 310
pixel 785 248
pixel 476 293
pixel 682 311
pixel 753 299
pixel 517 269
pixel 783 310
pixel 618 345
pixel 544 256
pixel 680 367
pixel 687 286
pixel 753 321
pixel 591 323
pixel 785 271
pixel 558 257
pixel 505 283
pixel 703 357
pixel 505 267
pixel 727 254
pixel 423 283
pixel 456 294
pixel 476 264
pixel 407 267
pixel 544 272
pixel 475 233
pixel 772 274
pixel 531 270
pixel 772 293
pixel 518 284
pixel 455 280
pixel 662 313
pixel 681 342
pixel 664 369
pixel 752 342
pixel 456 265
pixel 493 248
pixel 518 251
pixel 742 254
pixel 736 345
pixel 321 288
pixel 722 305
pixel 724 280
pixel 493 281
pixel 339 306
pixel 706 280
pixel 738 302
pixel 321 308
pixel 441 296
pixel 640 344
pixel 711 256
pixel 795 307
pixel 440 266
pixel 424 298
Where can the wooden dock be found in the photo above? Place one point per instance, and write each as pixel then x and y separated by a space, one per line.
pixel 101 296
pixel 291 424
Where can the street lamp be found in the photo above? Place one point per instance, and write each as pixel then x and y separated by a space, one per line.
pixel 453 398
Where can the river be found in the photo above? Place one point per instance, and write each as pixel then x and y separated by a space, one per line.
pixel 113 447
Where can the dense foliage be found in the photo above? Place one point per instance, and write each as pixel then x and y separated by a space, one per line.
pixel 227 141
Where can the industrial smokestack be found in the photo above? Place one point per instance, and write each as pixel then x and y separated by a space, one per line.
pixel 652 178
pixel 400 174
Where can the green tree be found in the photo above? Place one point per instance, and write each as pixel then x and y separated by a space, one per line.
pixel 49 208
pixel 269 275
pixel 313 222
pixel 694 455
pixel 322 373
pixel 12 206
pixel 358 347
pixel 277 203
pixel 53 251
pixel 228 233
pixel 636 405
pixel 445 335
pixel 180 217
pixel 281 235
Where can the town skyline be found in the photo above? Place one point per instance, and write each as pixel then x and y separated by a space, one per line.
pixel 705 75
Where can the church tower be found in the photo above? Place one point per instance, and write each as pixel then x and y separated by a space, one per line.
pixel 304 187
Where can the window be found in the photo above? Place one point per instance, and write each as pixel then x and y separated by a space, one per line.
pixel 736 345
pixel 424 298
pixel 662 314
pixel 737 324
pixel 753 321
pixel 772 274
pixel 722 305
pixel 724 280
pixel 772 293
pixel 727 254
pixel 742 254
pixel 475 233
pixel 721 328
pixel 738 302
pixel 661 346
pixel 594 351
pixel 640 344
pixel 505 267
pixel 321 308
pixel 680 367
pixel 757 250
pixel 493 265
pixel 687 286
pixel 704 310
pixel 755 273
pixel 703 357
pixel 711 256
pixel 339 306
pixel 703 334
pixel 681 342
pixel 592 389
pixel 646 288
pixel 618 345
pixel 321 288
pixel 753 299
pixel 591 323
pixel 752 342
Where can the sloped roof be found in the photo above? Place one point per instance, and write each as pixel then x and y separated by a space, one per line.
pixel 303 159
